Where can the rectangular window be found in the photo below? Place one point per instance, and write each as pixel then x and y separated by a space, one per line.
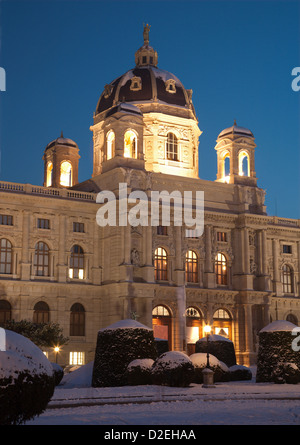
pixel 78 227
pixel 162 230
pixel 6 220
pixel 286 248
pixel 43 223
pixel 76 358
pixel 222 236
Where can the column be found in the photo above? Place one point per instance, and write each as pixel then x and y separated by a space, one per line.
pixel 25 259
pixel 209 275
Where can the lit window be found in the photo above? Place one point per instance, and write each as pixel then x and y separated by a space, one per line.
pixel 130 144
pixel 5 256
pixel 244 168
pixel 160 311
pixel 76 269
pixel 110 145
pixel 76 358
pixel 287 279
pixel 222 236
pixel 160 264
pixel 49 174
pixel 221 269
pixel 191 267
pixel 172 147
pixel 66 174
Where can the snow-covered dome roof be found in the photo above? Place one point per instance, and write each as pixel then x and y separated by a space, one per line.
pixel 235 131
pixel 62 141
pixel 146 83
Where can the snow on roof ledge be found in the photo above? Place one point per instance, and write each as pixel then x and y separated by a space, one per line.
pixel 215 337
pixel 279 325
pixel 125 324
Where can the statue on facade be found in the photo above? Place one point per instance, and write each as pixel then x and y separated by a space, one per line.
pixel 146 34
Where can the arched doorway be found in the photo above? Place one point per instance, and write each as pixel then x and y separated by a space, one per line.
pixel 222 323
pixel 162 324
pixel 194 328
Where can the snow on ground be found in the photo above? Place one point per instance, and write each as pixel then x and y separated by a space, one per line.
pixel 230 403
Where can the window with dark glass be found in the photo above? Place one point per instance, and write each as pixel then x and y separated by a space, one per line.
pixel 172 147
pixel 43 223
pixel 41 313
pixel 162 230
pixel 287 248
pixel 77 320
pixel 6 220
pixel 5 256
pixel 160 264
pixel 5 311
pixel 287 279
pixel 41 259
pixel 78 227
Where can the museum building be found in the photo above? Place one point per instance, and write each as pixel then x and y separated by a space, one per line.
pixel 58 264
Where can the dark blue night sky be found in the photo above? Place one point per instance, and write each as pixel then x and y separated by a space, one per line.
pixel 236 56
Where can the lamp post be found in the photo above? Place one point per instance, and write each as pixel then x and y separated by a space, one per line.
pixel 208 374
pixel 207 331
pixel 56 350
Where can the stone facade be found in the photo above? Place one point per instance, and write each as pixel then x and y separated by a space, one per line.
pixel 241 273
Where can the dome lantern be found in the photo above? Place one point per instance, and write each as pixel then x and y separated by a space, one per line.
pixel 146 55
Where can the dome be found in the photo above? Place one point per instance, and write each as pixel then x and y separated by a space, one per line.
pixel 236 131
pixel 62 141
pixel 145 83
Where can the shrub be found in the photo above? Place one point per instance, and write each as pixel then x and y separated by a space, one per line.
pixel 199 360
pixel 239 372
pixel 172 369
pixel 161 345
pixel 277 361
pixel 220 347
pixel 58 373
pixel 26 380
pixel 139 372
pixel 117 346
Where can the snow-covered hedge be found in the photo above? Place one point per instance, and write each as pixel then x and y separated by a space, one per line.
pixel 139 372
pixel 277 361
pixel 26 380
pixel 173 368
pixel 219 346
pixel 199 360
pixel 117 346
pixel 239 372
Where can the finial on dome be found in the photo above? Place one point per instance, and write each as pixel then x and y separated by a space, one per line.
pixel 146 34
pixel 61 134
pixel 234 123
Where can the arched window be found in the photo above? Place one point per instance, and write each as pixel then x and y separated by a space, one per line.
pixel 5 256
pixel 160 264
pixel 5 311
pixel 244 165
pixel 41 259
pixel 110 145
pixel 41 312
pixel 287 279
pixel 292 319
pixel 172 147
pixel 49 174
pixel 130 144
pixel 221 269
pixel 222 323
pixel 66 174
pixel 191 267
pixel 194 325
pixel 226 168
pixel 77 320
pixel 162 323
pixel 76 269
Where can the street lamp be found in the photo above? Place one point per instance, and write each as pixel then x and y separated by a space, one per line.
pixel 207 331
pixel 56 350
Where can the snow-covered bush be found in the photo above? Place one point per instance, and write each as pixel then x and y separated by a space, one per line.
pixel 58 373
pixel 277 361
pixel 139 372
pixel 239 372
pixel 79 378
pixel 221 347
pixel 199 360
pixel 26 380
pixel 161 345
pixel 117 346
pixel 173 368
